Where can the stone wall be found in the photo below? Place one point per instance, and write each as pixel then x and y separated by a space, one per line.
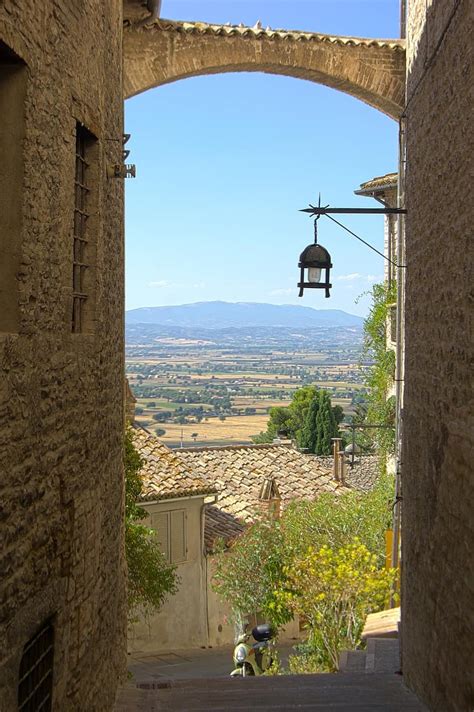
pixel 61 394
pixel 438 486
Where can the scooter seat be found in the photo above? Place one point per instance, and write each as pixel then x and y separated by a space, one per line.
pixel 262 632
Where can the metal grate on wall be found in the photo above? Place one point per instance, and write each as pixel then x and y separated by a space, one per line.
pixel 81 215
pixel 35 687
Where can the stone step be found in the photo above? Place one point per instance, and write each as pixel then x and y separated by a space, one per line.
pixel 382 655
pixel 352 661
pixel 352 692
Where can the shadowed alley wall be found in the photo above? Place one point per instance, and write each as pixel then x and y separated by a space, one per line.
pixel 61 414
pixel 438 454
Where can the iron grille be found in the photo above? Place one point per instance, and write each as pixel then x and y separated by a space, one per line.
pixel 81 215
pixel 35 688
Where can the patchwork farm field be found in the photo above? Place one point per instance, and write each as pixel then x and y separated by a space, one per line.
pixel 216 388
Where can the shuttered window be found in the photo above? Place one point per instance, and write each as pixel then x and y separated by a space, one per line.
pixel 170 528
pixel 160 523
pixel 178 535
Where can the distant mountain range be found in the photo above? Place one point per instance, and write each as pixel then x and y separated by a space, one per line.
pixel 222 315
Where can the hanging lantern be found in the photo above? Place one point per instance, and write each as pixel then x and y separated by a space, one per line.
pixel 314 259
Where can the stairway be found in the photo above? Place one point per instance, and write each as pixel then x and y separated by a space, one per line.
pixel 381 656
pixel 351 692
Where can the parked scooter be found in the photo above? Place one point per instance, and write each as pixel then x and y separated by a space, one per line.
pixel 254 658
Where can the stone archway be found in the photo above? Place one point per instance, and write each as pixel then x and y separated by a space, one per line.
pixel 165 51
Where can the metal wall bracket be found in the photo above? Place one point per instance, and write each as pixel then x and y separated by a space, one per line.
pixel 122 170
pixel 317 210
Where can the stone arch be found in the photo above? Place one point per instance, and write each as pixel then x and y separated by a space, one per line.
pixel 165 51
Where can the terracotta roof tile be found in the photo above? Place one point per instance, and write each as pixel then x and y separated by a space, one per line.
pixel 239 473
pixel 164 475
pixel 220 525
pixel 388 181
pixel 257 31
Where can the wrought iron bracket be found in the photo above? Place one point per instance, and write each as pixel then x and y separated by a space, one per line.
pixel 317 210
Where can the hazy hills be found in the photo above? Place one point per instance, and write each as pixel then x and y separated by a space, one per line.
pixel 222 315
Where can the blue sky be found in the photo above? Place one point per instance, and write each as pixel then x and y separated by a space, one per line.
pixel 224 162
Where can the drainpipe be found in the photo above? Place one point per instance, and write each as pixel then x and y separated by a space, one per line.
pixel 154 8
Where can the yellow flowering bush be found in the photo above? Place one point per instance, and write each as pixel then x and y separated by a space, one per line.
pixel 334 590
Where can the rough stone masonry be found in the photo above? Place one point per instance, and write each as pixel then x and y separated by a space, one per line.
pixel 61 414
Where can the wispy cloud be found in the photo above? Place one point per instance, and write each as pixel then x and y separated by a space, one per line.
pixel 357 276
pixel 160 284
pixel 350 277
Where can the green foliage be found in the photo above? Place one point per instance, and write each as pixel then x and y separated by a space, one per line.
pixel 333 520
pixel 293 419
pixel 335 589
pixel 256 574
pixel 320 425
pixel 380 377
pixel 150 577
pixel 248 575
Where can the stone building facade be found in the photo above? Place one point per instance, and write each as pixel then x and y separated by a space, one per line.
pixel 438 430
pixel 61 350
pixel 61 314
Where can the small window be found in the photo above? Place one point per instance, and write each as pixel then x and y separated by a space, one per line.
pixel 81 265
pixel 13 84
pixel 35 687
pixel 170 530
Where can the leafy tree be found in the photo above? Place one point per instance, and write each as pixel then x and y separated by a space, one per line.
pixel 338 414
pixel 253 576
pixel 150 578
pixel 159 432
pixel 248 574
pixel 380 376
pixel 320 425
pixel 334 520
pixel 335 590
pixel 289 419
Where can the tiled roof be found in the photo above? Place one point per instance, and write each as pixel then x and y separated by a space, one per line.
pixel 220 525
pixel 385 182
pixel 363 476
pixel 238 473
pixel 164 475
pixel 257 31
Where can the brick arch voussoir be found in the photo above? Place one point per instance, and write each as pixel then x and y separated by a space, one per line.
pixel 372 73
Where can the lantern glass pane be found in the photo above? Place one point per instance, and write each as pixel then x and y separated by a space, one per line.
pixel 314 274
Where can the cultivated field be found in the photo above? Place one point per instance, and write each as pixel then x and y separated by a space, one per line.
pixel 203 392
pixel 234 429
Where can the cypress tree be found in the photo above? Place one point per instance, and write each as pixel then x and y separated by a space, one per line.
pixel 326 426
pixel 309 431
pixel 320 425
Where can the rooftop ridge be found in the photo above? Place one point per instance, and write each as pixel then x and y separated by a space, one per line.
pixel 257 31
pixel 250 446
